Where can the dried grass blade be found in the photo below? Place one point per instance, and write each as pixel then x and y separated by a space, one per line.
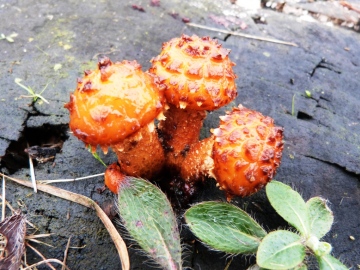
pixel 85 201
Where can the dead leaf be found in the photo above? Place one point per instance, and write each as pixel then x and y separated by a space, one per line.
pixel 13 231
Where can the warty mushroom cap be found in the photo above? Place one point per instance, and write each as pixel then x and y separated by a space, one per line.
pixel 196 73
pixel 113 102
pixel 246 152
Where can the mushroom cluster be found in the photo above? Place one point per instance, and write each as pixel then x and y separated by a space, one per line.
pixel 116 106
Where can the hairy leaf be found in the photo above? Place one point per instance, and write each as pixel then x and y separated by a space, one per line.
pixel 328 262
pixel 280 250
pixel 320 215
pixel 147 215
pixel 290 205
pixel 224 227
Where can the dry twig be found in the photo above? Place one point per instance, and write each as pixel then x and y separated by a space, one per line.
pixel 242 35
pixel 350 6
pixel 40 255
pixel 85 201
pixel 45 261
pixel 3 200
pixel 69 179
pixel 66 252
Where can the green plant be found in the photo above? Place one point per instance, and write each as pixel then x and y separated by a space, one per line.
pixel 221 225
pixel 9 38
pixel 96 156
pixel 35 96
pixel 148 217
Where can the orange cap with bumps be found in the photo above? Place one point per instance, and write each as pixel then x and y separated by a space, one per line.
pixel 247 151
pixel 113 102
pixel 196 73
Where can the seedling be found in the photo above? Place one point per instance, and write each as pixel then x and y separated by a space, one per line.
pixel 238 233
pixel 96 156
pixel 308 93
pixel 35 96
pixel 293 105
pixel 9 38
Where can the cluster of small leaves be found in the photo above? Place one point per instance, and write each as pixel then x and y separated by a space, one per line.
pixel 35 96
pixel 227 228
pixel 9 38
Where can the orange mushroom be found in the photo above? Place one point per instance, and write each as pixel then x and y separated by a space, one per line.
pixel 242 154
pixel 197 75
pixel 115 105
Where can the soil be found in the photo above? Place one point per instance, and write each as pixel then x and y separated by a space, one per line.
pixel 58 40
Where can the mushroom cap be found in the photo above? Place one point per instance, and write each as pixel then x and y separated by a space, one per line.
pixel 113 102
pixel 247 151
pixel 196 73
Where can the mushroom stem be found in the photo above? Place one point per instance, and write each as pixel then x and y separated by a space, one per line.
pixel 141 154
pixel 198 164
pixel 179 131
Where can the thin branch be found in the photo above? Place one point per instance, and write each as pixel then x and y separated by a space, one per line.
pixel 8 205
pixel 85 201
pixel 40 255
pixel 69 179
pixel 45 261
pixel 39 242
pixel 242 35
pixel 3 200
pixel 32 174
pixel 34 236
pixel 66 252
pixel 350 6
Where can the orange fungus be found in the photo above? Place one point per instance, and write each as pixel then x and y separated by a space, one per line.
pixel 113 102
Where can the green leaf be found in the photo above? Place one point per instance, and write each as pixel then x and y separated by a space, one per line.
pixel 224 227
pixel 328 262
pixel 320 215
pixel 289 205
pixel 301 267
pixel 96 155
pixel 308 93
pixel 9 39
pixel 280 250
pixel 148 217
pixel 319 248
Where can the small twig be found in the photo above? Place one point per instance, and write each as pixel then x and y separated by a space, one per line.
pixel 242 35
pixel 83 246
pixel 32 174
pixel 69 179
pixel 228 264
pixel 85 201
pixel 45 261
pixel 3 199
pixel 66 252
pixel 40 255
pixel 9 205
pixel 293 105
pixel 34 236
pixel 39 242
pixel 349 6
